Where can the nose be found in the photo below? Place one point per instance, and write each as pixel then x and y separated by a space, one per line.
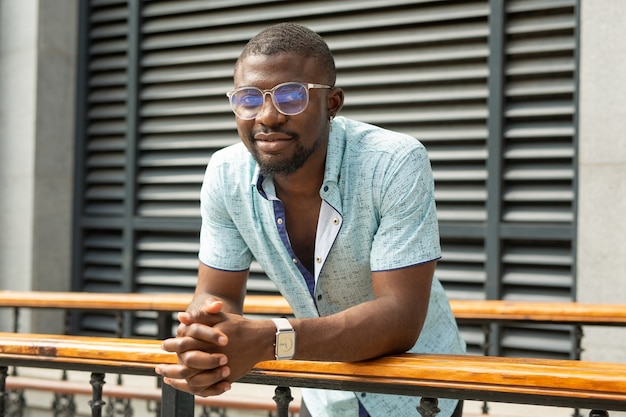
pixel 268 114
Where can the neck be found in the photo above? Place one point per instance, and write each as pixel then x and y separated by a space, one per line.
pixel 305 183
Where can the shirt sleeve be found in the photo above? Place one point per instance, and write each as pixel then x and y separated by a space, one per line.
pixel 408 233
pixel 221 244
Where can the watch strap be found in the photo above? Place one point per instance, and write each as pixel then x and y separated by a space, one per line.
pixel 282 325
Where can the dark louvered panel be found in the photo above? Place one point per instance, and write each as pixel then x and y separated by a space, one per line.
pixel 420 67
pixel 537 270
pixel 546 341
pixel 538 173
pixel 462 268
pixel 474 336
pixel 184 114
pixel 102 260
pixel 258 283
pixel 145 324
pixel 104 156
pixel 539 134
pixel 462 271
pixel 425 74
pixel 166 261
pixel 99 324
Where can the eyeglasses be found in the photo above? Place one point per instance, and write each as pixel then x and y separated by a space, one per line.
pixel 289 98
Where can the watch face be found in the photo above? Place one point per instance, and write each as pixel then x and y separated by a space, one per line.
pixel 286 345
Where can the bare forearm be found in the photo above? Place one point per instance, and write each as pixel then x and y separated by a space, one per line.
pixel 391 323
pixel 229 305
pixel 365 331
pixel 227 287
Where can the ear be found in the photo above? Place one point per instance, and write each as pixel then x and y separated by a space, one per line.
pixel 335 101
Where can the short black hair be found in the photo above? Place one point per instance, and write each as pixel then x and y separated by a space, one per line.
pixel 295 38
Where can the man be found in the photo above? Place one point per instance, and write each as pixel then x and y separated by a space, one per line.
pixel 341 217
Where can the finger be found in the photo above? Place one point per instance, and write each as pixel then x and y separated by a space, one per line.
pixel 184 330
pixel 198 378
pixel 202 360
pixel 180 330
pixel 204 379
pixel 183 344
pixel 216 389
pixel 183 385
pixel 176 371
pixel 205 333
pixel 187 343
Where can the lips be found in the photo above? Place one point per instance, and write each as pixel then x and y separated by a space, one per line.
pixel 272 142
pixel 271 136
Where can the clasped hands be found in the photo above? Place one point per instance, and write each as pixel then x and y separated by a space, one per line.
pixel 213 348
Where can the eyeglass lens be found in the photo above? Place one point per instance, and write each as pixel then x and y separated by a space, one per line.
pixel 290 99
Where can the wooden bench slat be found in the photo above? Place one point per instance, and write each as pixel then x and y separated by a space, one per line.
pixel 570 378
pixel 562 312
pixel 254 304
pixel 480 310
pixel 96 301
pixel 60 347
pixel 522 376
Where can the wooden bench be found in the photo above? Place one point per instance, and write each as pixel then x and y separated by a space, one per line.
pixel 102 355
pixel 164 304
pixel 470 310
pixel 254 304
pixel 566 383
pixel 466 311
pixel 539 311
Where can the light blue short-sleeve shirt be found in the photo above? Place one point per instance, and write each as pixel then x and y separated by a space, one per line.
pixel 378 213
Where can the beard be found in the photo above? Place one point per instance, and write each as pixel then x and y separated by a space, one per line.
pixel 284 164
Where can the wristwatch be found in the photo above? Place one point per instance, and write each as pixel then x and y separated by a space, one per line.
pixel 285 347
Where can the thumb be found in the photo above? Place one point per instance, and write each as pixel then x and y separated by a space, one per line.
pixel 212 306
pixel 201 315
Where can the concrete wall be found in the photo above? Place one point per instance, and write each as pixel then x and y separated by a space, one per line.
pixel 18 69
pixel 37 94
pixel 602 170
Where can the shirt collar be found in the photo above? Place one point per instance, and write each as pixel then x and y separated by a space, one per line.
pixel 264 185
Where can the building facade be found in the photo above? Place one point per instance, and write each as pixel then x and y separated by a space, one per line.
pixel 109 111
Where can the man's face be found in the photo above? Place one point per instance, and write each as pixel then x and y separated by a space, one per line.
pixel 282 144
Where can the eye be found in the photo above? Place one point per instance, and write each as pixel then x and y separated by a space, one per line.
pixel 290 96
pixel 249 98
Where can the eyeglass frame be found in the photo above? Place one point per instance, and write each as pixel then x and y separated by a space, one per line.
pixel 307 87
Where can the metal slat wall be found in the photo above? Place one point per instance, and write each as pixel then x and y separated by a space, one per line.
pixel 487 86
pixel 538 178
pixel 99 248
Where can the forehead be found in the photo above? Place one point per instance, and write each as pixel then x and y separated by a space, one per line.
pixel 266 71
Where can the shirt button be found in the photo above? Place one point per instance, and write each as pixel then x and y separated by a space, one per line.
pixel 295 261
pixel 326 188
pixel 335 221
pixel 319 297
pixel 279 221
pixel 318 260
